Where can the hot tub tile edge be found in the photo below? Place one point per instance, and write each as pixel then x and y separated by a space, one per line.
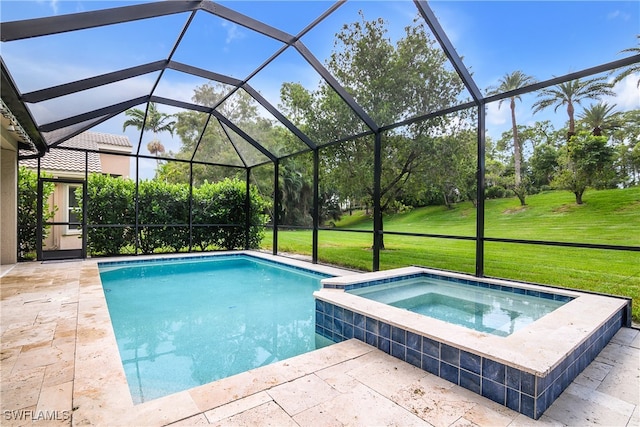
pixel 539 385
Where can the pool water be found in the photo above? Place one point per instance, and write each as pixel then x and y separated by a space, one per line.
pixel 186 322
pixel 486 310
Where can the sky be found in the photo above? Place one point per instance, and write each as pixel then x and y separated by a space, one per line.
pixel 541 38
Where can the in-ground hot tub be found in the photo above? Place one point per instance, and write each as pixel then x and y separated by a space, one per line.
pixel 498 310
pixel 522 358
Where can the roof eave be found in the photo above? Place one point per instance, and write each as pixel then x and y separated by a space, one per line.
pixel 106 148
pixel 11 98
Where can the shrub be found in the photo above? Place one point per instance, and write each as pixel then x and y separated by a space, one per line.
pixel 163 215
pixel 28 211
pixel 160 203
pixel 223 204
pixel 110 202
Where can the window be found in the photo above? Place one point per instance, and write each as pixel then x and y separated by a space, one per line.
pixel 73 210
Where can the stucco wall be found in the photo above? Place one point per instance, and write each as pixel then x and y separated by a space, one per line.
pixel 115 165
pixel 8 207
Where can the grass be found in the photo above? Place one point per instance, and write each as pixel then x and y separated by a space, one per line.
pixel 610 217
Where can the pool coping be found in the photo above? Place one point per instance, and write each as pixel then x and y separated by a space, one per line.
pixel 537 348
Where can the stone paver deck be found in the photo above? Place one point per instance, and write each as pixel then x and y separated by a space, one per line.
pixel 60 366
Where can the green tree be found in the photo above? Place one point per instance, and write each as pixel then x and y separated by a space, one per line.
pixel 600 118
pixel 452 166
pixel 570 94
pixel 28 211
pixel 207 140
pixel 542 140
pixel 631 69
pixel 296 191
pixel 155 122
pixel 509 82
pixel 544 164
pixel 391 82
pixel 297 103
pixel 626 140
pixel 496 180
pixel 586 161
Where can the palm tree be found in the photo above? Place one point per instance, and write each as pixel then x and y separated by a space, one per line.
pixel 156 122
pixel 600 117
pixel 509 82
pixel 631 69
pixel 572 93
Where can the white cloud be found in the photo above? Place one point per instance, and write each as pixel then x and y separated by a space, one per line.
pixel 497 120
pixel 233 32
pixel 616 14
pixel 92 99
pixel 627 94
pixel 497 116
pixel 38 73
pixel 52 3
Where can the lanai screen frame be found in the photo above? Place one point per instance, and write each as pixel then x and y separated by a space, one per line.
pixel 45 26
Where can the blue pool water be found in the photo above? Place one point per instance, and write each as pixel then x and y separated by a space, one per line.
pixel 186 322
pixel 494 311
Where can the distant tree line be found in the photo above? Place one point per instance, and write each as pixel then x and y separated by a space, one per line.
pixel 429 162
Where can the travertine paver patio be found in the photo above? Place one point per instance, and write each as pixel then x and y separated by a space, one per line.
pixel 60 365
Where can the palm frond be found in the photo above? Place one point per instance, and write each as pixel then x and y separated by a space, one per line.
pixel 631 69
pixel 543 103
pixel 600 116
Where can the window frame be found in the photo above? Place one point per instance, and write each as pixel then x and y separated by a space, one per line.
pixel 68 230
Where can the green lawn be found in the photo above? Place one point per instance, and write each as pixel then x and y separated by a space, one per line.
pixel 606 217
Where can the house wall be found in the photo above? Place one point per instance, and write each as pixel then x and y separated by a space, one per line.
pixel 115 165
pixel 8 206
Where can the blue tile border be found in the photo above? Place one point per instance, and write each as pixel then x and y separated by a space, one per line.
pixel 517 389
pixel 211 257
pixel 460 281
pixel 163 259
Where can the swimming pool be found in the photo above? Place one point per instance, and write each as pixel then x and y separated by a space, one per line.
pixel 499 310
pixel 183 322
pixel 525 370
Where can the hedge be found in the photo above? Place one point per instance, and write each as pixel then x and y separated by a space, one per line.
pixel 218 216
pixel 28 211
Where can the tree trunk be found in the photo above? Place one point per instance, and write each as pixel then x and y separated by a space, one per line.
pixel 578 196
pixel 517 156
pixel 572 122
pixel 521 193
pixel 380 237
pixel 447 203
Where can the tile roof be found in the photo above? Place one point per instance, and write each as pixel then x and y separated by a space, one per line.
pixel 103 138
pixel 74 161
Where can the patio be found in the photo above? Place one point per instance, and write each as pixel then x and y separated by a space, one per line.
pixel 60 363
